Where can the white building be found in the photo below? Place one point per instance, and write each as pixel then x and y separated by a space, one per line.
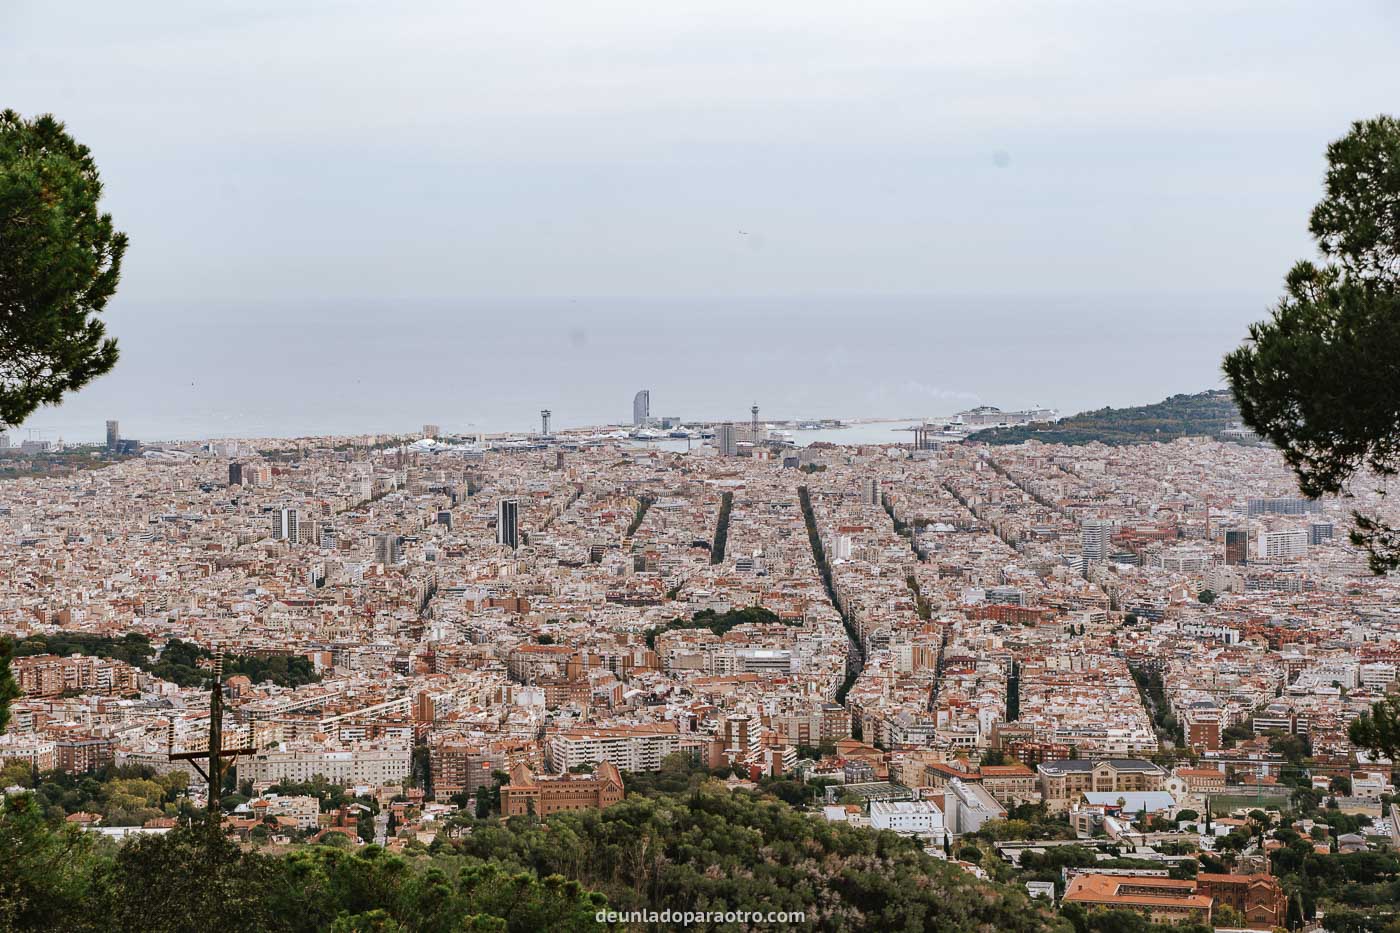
pixel 366 763
pixel 1283 545
pixel 1095 536
pixel 969 806
pixel 908 817
pixel 631 748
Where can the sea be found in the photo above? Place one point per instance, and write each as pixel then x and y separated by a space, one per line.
pixel 227 369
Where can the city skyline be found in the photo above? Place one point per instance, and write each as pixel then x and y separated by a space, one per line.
pixel 898 213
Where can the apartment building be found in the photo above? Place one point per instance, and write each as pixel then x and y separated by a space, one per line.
pixel 366 763
pixel 639 747
pixel 458 766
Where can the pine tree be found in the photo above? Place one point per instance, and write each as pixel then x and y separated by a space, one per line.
pixel 60 260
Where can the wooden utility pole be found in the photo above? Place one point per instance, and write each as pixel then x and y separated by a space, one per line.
pixel 218 759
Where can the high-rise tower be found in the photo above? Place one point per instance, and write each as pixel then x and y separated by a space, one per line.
pixel 641 408
pixel 508 523
pixel 724 440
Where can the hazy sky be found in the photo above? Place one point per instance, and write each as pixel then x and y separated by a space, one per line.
pixel 358 164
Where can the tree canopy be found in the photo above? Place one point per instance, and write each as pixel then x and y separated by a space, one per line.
pixel 60 259
pixel 1320 378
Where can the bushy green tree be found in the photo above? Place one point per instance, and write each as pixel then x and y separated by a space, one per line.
pixel 1318 378
pixel 60 260
pixel 9 689
pixel 45 872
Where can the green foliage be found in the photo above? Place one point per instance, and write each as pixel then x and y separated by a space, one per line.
pixel 1206 596
pixel 1318 378
pixel 331 796
pixel 726 505
pixel 9 689
pixel 1099 920
pixel 643 506
pixel 44 871
pixel 1379 730
pixel 715 850
pixel 133 648
pixel 1154 695
pixel 179 663
pixel 1366 883
pixel 1013 692
pixel 192 879
pixel 1206 413
pixel 719 623
pixel 60 260
pixel 123 796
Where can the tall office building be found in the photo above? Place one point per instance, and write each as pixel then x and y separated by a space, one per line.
pixel 641 408
pixel 1319 532
pixel 871 493
pixel 386 550
pixel 4 440
pixel 726 441
pixel 508 523
pixel 1095 536
pixel 235 474
pixel 1237 547
pixel 544 421
pixel 284 525
pixel 114 435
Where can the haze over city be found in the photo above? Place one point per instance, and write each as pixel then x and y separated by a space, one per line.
pixel 351 216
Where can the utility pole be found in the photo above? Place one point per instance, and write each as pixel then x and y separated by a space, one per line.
pixel 217 758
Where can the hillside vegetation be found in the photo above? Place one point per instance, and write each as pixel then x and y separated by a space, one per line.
pixel 1205 414
pixel 680 841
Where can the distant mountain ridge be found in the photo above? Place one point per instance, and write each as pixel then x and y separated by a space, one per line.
pixel 1209 414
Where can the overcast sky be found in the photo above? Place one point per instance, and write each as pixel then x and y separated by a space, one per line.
pixel 276 151
pixel 268 147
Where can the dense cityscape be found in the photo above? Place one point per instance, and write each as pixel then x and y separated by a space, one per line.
pixel 699 466
pixel 1134 658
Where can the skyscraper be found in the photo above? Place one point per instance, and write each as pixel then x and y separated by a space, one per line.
pixel 114 435
pixel 641 408
pixel 725 440
pixel 508 523
pixel 235 474
pixel 1095 535
pixel 544 421
pixel 1237 547
pixel 1319 532
pixel 284 525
